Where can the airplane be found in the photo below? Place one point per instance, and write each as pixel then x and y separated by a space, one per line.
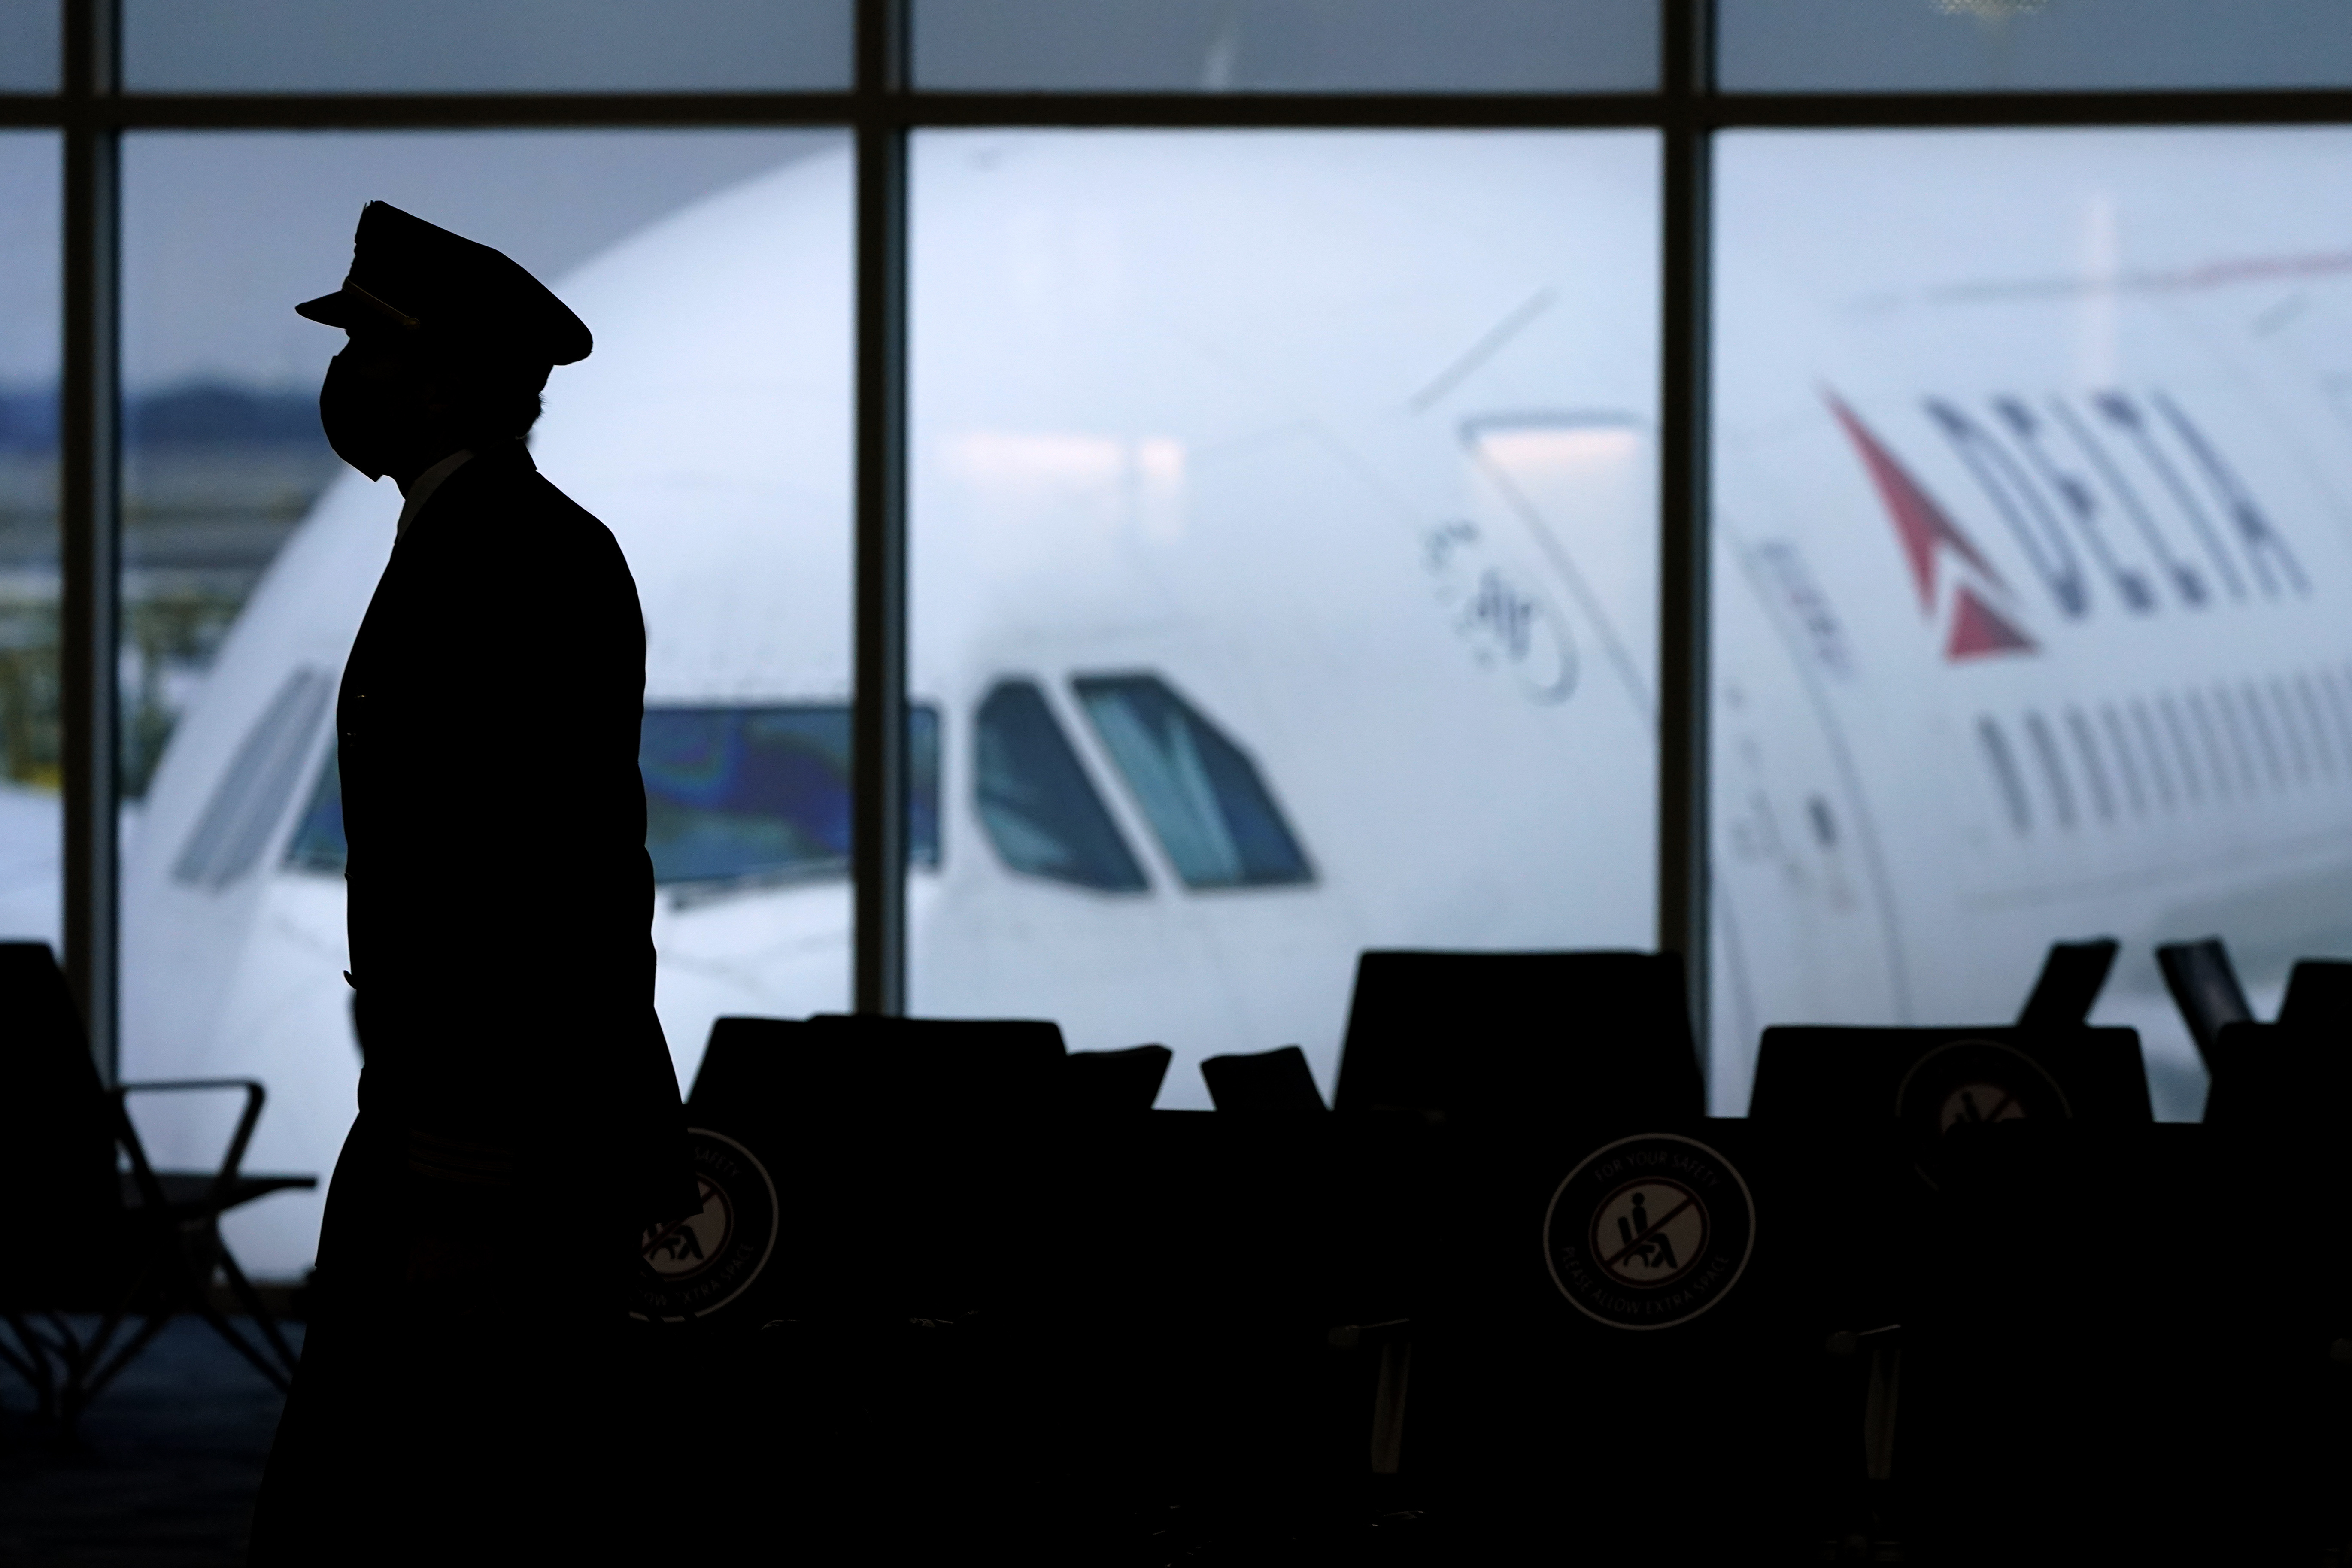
pixel 1284 583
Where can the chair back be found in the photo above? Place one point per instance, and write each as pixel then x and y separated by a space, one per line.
pixel 57 1125
pixel 1114 1082
pixel 754 1062
pixel 1686 1276
pixel 2319 997
pixel 900 1156
pixel 2285 1080
pixel 2206 990
pixel 2071 980
pixel 1934 1078
pixel 950 1067
pixel 1268 1081
pixel 864 1066
pixel 1519 1036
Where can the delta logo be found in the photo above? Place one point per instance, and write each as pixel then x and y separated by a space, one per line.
pixel 2116 503
pixel 1928 537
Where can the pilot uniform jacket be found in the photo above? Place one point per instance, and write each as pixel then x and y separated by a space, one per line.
pixel 517 1103
pixel 500 898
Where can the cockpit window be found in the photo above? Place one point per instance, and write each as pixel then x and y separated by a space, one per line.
pixel 1040 811
pixel 318 844
pixel 1210 811
pixel 250 800
pixel 735 792
pixel 732 795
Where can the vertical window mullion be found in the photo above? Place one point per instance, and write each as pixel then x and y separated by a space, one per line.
pixel 89 484
pixel 1687 82
pixel 879 723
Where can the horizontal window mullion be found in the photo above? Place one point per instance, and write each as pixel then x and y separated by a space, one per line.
pixel 917 110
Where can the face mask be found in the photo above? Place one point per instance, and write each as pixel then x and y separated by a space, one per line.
pixel 362 415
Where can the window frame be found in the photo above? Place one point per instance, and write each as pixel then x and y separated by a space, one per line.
pixel 882 110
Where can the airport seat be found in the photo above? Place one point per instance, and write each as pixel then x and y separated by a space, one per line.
pixel 1116 1082
pixel 1521 1036
pixel 1129 1303
pixel 2292 1079
pixel 866 1065
pixel 884 1145
pixel 1929 1079
pixel 1669 1404
pixel 2069 985
pixel 1277 1081
pixel 97 1230
pixel 2318 997
pixel 2205 988
pixel 1888 1107
pixel 2079 1383
pixel 748 1060
pixel 959 1066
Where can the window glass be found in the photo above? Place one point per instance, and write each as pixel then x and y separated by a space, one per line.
pixel 318 844
pixel 732 793
pixel 1965 45
pixel 1041 813
pixel 485 45
pixel 733 796
pixel 30 754
pixel 1310 479
pixel 1293 46
pixel 28 46
pixel 708 430
pixel 1199 791
pixel 2033 454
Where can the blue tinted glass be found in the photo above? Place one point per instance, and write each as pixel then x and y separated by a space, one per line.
pixel 764 792
pixel 1205 800
pixel 1042 814
pixel 730 793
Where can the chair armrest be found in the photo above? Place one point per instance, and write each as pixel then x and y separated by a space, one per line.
pixel 254 1097
pixel 1848 1341
pixel 1352 1336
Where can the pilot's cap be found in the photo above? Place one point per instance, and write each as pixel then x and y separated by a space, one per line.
pixel 407 273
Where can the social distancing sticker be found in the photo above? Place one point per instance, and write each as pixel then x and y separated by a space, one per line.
pixel 692 1266
pixel 1648 1232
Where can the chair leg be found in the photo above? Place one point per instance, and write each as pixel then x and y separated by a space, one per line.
pixel 279 1374
pixel 93 1377
pixel 30 1359
pixel 250 1298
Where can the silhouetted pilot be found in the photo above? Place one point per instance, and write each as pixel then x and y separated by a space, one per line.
pixel 459 1396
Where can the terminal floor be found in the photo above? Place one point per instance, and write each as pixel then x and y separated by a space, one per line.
pixel 163 1474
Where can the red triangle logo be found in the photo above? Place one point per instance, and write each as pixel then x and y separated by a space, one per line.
pixel 1978 629
pixel 1925 531
pixel 1919 523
